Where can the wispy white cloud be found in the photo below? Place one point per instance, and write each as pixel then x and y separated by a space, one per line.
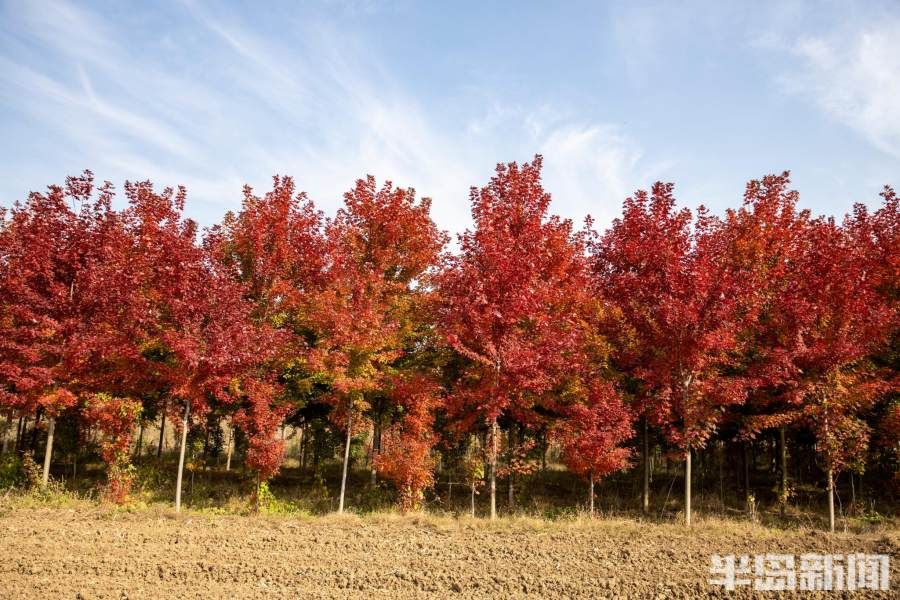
pixel 589 167
pixel 213 104
pixel 855 79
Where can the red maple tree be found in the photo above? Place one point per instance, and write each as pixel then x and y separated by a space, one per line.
pixel 684 305
pixel 380 246
pixel 833 318
pixel 591 433
pixel 199 325
pixel 69 319
pixel 510 302
pixel 406 459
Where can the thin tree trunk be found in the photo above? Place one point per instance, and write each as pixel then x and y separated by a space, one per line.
pixel 830 474
pixel 34 431
pixel 591 495
pixel 162 433
pixel 645 499
pixel 304 444
pixel 230 448
pixel 746 475
pixel 852 494
pixel 376 448
pixel 346 456
pixel 316 453
pixel 5 434
pixel 181 451
pixel 782 439
pixel 51 427
pixel 545 447
pixel 513 444
pixel 493 481
pixel 140 441
pixel 720 459
pixel 20 430
pixel 206 443
pixel 687 488
pixel 473 499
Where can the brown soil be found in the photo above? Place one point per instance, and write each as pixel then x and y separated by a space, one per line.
pixel 59 553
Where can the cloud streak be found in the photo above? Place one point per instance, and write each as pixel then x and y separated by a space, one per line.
pixel 214 103
pixel 856 80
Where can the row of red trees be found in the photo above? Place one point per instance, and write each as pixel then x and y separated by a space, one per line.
pixel 766 315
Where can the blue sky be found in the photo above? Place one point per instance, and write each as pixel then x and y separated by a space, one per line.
pixel 614 95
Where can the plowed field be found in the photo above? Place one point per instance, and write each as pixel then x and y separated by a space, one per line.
pixel 59 553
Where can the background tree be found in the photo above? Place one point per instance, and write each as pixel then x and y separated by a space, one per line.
pixel 406 459
pixel 591 434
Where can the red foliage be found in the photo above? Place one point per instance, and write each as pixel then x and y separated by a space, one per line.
pixel 67 315
pixel 405 459
pixel 510 300
pixel 200 321
pixel 115 419
pixel 591 433
pixel 838 317
pixel 682 306
pixel 260 420
pixel 381 245
pixel 823 296
pixel 274 245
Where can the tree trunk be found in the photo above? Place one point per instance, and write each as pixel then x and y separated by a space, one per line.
pixel 20 432
pixel 230 448
pixel 782 439
pixel 304 443
pixel 746 475
pixel 687 488
pixel 206 443
pixel 591 495
pixel 513 445
pixel 34 431
pixel 162 433
pixel 473 499
pixel 376 448
pixel 830 474
pixel 645 499
pixel 181 451
pixel 544 448
pixel 51 427
pixel 493 458
pixel 316 453
pixel 140 441
pixel 852 495
pixel 5 434
pixel 346 457
pixel 720 459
